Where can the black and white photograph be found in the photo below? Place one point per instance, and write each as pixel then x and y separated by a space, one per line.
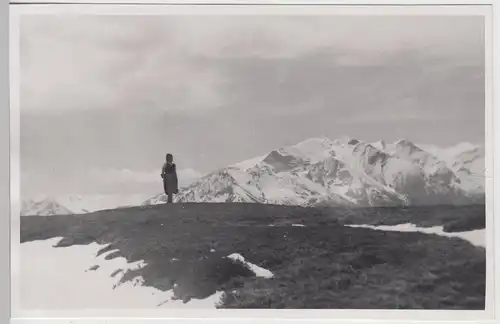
pixel 252 161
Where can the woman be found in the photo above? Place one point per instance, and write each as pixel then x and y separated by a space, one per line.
pixel 169 175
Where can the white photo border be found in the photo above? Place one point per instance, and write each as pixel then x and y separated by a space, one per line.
pixel 486 8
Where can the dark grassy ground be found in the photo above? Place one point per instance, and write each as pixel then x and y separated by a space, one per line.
pixel 452 218
pixel 322 265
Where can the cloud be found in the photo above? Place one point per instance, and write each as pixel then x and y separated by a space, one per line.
pixel 177 63
pixel 109 95
pixel 404 110
pixel 87 62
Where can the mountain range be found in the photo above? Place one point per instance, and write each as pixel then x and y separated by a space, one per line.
pixel 47 205
pixel 347 171
pixel 317 172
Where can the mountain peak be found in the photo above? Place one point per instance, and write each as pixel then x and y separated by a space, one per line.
pixel 404 142
pixel 43 207
pixel 381 145
pixel 315 143
pixel 321 139
pixel 347 140
pixel 404 145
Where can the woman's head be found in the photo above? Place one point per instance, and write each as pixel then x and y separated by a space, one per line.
pixel 169 157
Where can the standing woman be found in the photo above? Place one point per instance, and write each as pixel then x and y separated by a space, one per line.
pixel 169 175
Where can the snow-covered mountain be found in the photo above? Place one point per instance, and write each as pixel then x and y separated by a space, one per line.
pixel 43 207
pixel 46 205
pixel 347 171
pixel 78 204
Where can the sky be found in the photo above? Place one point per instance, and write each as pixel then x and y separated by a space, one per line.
pixel 103 98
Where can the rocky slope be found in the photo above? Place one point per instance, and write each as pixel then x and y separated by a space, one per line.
pixel 348 172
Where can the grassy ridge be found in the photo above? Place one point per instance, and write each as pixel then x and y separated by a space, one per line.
pixel 322 265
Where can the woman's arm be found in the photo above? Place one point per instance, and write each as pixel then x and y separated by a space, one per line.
pixel 163 170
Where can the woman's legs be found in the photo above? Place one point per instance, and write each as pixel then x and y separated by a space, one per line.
pixel 165 189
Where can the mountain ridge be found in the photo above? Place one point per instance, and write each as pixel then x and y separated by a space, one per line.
pixel 345 171
pixel 319 171
pixel 47 205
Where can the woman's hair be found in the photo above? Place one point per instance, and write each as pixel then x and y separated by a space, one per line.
pixel 170 157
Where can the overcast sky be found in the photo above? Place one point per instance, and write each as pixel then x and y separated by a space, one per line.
pixel 110 95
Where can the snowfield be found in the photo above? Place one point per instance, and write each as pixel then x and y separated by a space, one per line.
pixel 87 281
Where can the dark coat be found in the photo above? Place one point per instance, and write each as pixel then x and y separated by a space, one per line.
pixel 169 175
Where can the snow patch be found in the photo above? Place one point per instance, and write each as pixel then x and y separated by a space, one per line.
pixel 298 225
pixel 475 237
pixel 259 271
pixel 59 278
